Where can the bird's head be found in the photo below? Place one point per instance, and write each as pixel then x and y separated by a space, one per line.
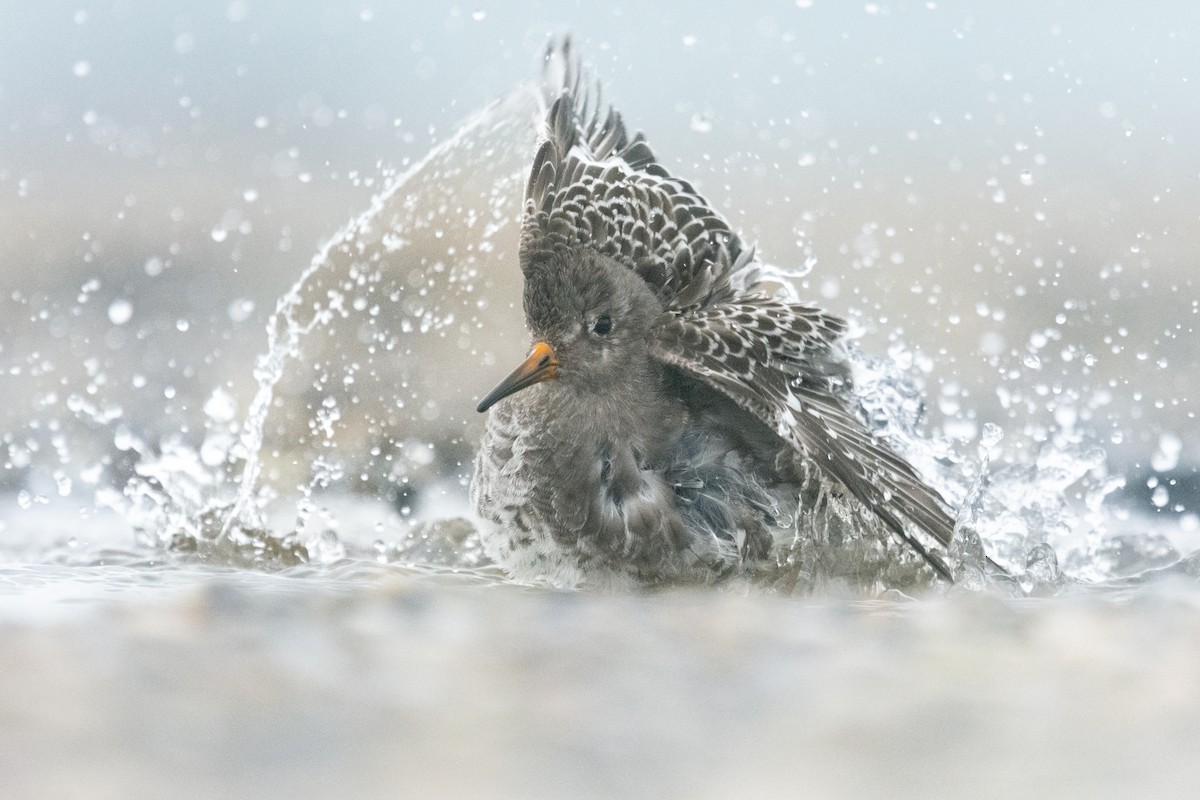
pixel 590 318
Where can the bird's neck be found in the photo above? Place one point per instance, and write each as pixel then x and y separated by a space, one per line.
pixel 640 411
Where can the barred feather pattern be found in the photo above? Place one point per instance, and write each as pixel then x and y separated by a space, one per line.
pixel 778 361
pixel 594 185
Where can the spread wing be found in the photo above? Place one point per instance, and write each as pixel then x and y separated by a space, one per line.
pixel 593 184
pixel 774 359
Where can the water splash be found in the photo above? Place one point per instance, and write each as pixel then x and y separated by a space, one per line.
pixel 285 330
pixel 352 378
pixel 376 353
pixel 1029 527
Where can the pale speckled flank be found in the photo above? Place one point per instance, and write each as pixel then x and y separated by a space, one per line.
pixel 672 437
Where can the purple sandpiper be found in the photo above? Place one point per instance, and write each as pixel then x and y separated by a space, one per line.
pixel 671 411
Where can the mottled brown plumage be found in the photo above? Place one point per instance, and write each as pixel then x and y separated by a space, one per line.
pixel 681 405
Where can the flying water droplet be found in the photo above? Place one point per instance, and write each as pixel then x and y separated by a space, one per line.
pixel 1160 496
pixel 991 436
pixel 1166 456
pixel 220 406
pixel 120 311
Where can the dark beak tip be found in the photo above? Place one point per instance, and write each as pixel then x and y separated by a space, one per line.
pixel 539 366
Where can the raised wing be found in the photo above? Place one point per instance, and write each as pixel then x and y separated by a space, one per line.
pixel 592 184
pixel 774 360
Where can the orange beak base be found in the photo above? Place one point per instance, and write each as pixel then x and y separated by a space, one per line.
pixel 541 365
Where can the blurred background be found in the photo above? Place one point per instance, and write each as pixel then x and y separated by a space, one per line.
pixel 1006 197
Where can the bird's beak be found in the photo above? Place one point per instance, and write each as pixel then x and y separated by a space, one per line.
pixel 541 365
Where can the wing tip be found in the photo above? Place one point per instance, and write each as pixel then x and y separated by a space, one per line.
pixel 560 66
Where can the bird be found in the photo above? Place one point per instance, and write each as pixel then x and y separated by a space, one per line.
pixel 675 421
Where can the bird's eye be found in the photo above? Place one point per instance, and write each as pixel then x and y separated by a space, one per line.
pixel 603 325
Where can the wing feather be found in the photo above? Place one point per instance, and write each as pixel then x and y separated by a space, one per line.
pixel 593 184
pixel 776 361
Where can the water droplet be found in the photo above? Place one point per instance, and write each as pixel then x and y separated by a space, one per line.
pixel 120 311
pixel 1041 569
pixel 220 406
pixel 1166 456
pixel 329 547
pixel 240 309
pixel 1160 497
pixel 991 436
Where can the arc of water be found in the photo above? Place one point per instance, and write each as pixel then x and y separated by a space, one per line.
pixel 284 332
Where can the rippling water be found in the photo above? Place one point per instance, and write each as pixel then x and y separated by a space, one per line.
pixel 136 676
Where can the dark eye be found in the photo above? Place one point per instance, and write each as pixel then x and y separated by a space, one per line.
pixel 603 326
